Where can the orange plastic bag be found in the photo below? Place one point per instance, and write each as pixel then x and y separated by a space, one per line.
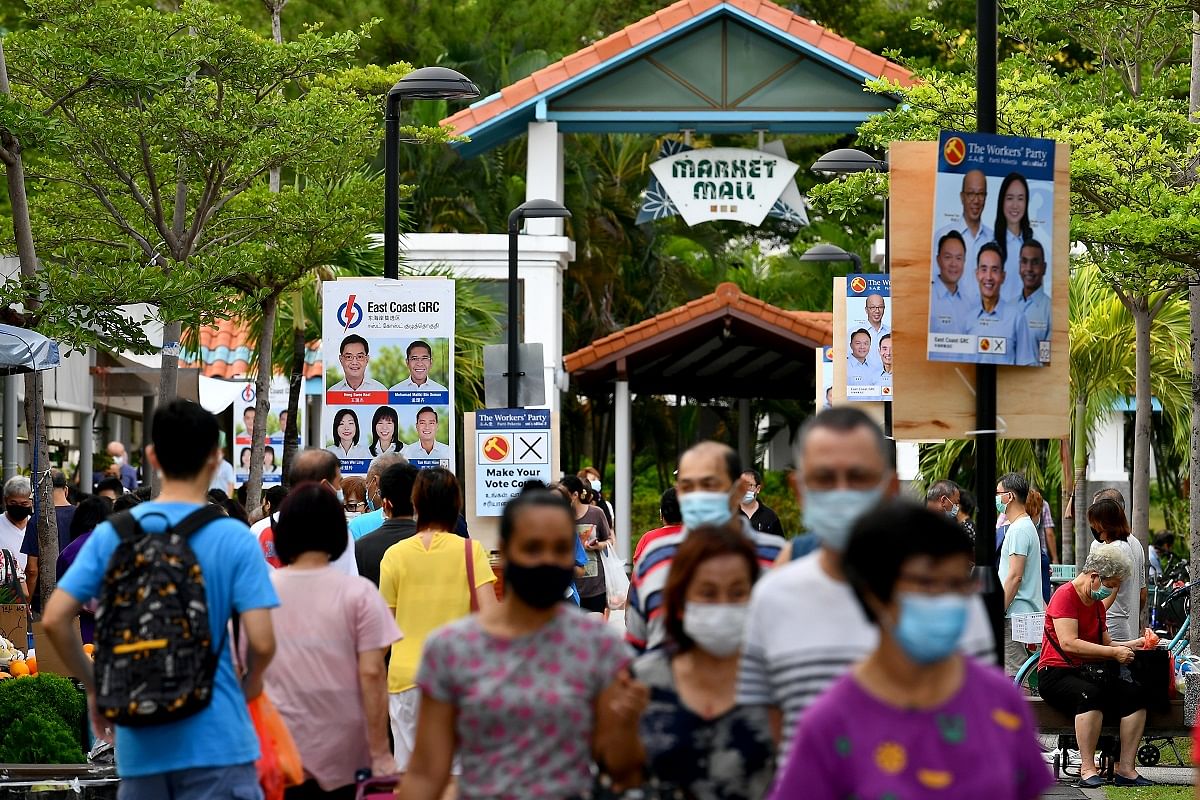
pixel 278 763
pixel 1150 638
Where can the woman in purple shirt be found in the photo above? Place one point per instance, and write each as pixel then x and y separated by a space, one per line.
pixel 90 513
pixel 916 719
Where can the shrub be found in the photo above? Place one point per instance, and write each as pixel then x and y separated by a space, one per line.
pixel 44 714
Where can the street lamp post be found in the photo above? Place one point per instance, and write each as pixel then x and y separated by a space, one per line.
pixel 530 209
pixel 831 252
pixel 427 83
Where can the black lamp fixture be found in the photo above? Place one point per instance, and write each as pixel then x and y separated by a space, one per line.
pixel 847 160
pixel 427 83
pixel 831 252
pixel 530 209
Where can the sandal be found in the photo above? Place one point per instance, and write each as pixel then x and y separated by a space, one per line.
pixel 1121 780
pixel 1092 782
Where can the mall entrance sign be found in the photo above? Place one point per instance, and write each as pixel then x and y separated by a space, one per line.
pixel 724 183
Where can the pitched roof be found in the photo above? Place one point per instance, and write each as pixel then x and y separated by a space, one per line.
pixel 812 327
pixel 674 16
pixel 226 352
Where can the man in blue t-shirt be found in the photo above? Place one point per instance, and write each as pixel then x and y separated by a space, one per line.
pixel 210 754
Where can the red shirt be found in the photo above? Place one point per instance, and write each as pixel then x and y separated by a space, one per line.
pixel 266 540
pixel 650 536
pixel 1065 604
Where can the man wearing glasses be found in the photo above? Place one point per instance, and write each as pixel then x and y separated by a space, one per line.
pixel 970 225
pixel 419 358
pixel 354 355
pixel 804 628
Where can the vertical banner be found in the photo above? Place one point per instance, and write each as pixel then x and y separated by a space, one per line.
pixel 243 422
pixel 388 353
pixel 993 235
pixel 869 334
pixel 512 446
pixel 825 377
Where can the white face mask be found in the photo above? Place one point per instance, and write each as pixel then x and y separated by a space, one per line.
pixel 716 628
pixel 595 483
pixel 748 498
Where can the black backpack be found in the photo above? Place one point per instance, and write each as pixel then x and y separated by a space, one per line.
pixel 154 657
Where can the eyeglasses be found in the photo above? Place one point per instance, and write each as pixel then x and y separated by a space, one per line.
pixel 420 359
pixel 355 506
pixel 975 195
pixel 354 356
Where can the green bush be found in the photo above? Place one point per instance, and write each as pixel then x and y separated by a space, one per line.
pixel 43 714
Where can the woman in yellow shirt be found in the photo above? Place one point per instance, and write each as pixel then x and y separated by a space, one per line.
pixel 427 581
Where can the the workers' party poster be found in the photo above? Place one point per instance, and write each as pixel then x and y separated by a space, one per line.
pixel 869 338
pixel 388 352
pixel 993 228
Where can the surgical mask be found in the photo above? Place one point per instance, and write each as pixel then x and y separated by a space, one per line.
pixel 1000 504
pixel 341 497
pixel 716 628
pixel 370 505
pixel 831 513
pixel 952 512
pixel 748 498
pixel 930 626
pixel 704 508
pixel 1103 593
pixel 595 484
pixel 1096 535
pixel 16 512
pixel 539 586
pixel 352 514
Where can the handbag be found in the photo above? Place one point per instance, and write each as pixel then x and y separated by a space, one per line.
pixel 616 582
pixel 10 580
pixel 1100 673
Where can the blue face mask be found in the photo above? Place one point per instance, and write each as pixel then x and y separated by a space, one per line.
pixel 1103 593
pixel 930 626
pixel 704 508
pixel 831 513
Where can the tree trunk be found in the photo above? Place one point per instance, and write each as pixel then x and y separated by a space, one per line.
pixel 35 420
pixel 266 339
pixel 1139 520
pixel 1079 534
pixel 291 438
pixel 1194 313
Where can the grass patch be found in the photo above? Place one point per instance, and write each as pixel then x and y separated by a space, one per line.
pixel 1149 793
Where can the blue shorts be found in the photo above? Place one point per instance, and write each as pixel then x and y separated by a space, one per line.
pixel 239 782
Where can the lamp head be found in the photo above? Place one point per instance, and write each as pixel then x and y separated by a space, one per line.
pixel 846 160
pixel 433 83
pixel 538 208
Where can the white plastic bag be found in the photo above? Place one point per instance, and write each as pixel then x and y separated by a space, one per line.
pixel 616 582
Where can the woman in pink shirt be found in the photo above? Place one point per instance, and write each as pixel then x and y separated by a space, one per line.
pixel 328 677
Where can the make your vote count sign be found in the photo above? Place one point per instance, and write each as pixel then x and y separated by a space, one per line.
pixel 512 446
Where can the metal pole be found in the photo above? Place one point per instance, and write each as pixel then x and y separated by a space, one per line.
pixel 12 423
pixel 87 447
pixel 391 188
pixel 514 232
pixel 985 374
pixel 623 439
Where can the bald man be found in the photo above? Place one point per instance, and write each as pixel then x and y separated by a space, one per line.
pixel 124 470
pixel 969 225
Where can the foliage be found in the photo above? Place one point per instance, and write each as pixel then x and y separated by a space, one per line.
pixel 40 714
pixel 156 129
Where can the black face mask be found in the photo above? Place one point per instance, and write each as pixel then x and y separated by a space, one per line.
pixel 541 586
pixel 1097 535
pixel 17 513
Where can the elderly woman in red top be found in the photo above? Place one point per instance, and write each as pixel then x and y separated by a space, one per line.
pixel 1079 671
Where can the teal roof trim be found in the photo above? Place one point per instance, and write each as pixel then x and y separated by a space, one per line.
pixel 512 122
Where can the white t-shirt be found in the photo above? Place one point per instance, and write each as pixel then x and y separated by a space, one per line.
pixel 10 539
pixel 805 630
pixel 1126 612
pixel 223 477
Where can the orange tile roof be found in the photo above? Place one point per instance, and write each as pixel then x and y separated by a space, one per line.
pixel 226 350
pixel 816 326
pixel 673 15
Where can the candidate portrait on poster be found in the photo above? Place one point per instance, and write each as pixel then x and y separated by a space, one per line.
pixel 990 272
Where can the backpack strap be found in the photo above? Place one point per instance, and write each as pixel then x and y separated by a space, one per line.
pixel 195 521
pixel 126 525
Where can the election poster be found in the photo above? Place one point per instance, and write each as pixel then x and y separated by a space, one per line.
pixel 869 338
pixel 825 377
pixel 244 412
pixel 388 354
pixel 512 446
pixel 993 228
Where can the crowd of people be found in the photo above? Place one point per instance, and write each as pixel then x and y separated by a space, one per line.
pixel 853 661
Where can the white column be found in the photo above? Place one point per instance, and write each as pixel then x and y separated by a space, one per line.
pixel 544 174
pixel 87 447
pixel 623 445
pixel 1107 462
